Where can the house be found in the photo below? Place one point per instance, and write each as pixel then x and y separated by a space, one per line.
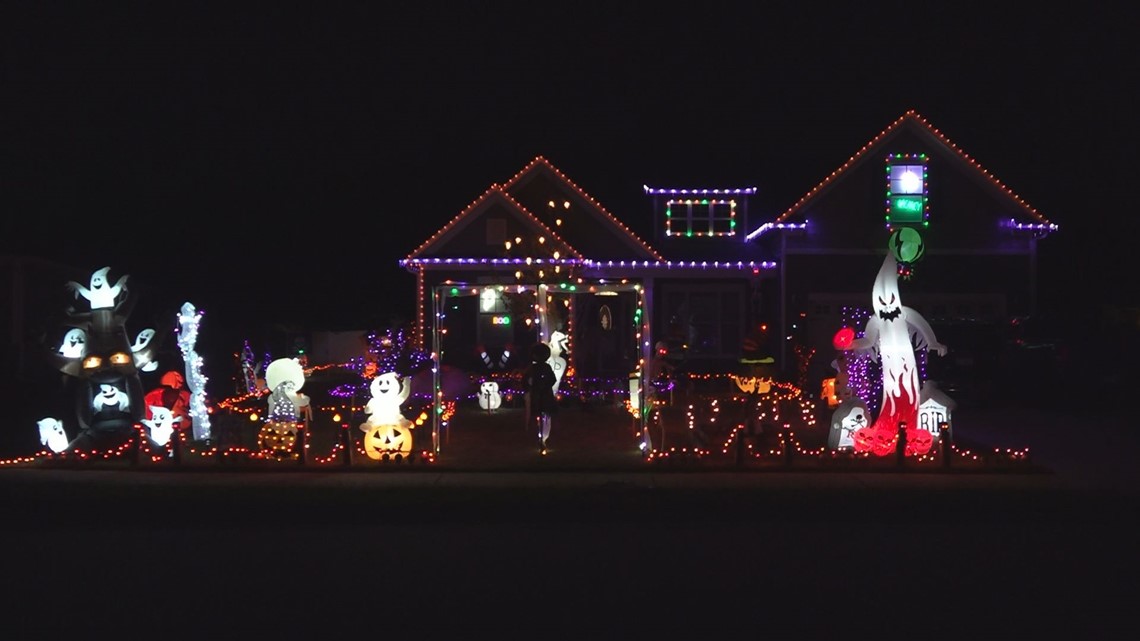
pixel 722 285
pixel 978 268
pixel 537 254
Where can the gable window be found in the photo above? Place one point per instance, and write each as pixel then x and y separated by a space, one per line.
pixel 700 217
pixel 907 194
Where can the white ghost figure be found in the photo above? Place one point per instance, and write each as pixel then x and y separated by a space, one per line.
pixel 850 415
pixel 143 359
pixel 889 330
pixel 52 435
pixel 388 393
pixel 489 397
pixel 285 377
pixel 557 362
pixel 74 343
pixel 161 424
pixel 110 396
pixel 101 294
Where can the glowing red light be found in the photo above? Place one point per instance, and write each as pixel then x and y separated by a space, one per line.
pixel 843 338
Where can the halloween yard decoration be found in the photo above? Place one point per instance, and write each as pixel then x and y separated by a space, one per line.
pixel 278 436
pixel 558 346
pixel 387 433
pixel 52 434
pixel 888 331
pixel 104 363
pixel 489 396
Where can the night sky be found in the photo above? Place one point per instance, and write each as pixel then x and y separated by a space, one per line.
pixel 274 164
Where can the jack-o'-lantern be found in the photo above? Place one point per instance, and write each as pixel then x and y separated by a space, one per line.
pixel 383 442
pixel 918 441
pixel 278 439
pixel 879 442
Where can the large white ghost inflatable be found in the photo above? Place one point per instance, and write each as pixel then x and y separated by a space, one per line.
pixel 889 329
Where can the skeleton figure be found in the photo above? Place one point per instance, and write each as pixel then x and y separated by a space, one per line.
pixel 101 294
pixel 889 330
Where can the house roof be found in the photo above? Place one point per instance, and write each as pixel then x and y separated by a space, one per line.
pixel 601 235
pixel 583 230
pixel 911 119
pixel 495 197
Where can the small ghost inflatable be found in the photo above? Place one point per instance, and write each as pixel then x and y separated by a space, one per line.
pixel 489 397
pixel 101 294
pixel 52 435
pixel 74 343
pixel 143 357
pixel 557 362
pixel 161 425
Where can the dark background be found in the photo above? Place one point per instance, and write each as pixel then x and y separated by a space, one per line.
pixel 272 163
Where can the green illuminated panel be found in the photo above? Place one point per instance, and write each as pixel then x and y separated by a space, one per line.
pixel 906 209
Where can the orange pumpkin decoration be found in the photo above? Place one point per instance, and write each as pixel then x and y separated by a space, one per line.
pixel 385 442
pixel 278 439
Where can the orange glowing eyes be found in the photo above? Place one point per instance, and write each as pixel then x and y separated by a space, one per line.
pixel 91 362
pixel 119 358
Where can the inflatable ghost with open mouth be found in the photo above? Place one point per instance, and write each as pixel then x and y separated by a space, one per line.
pixel 889 330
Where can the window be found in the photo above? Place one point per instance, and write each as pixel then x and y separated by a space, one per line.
pixel 700 217
pixel 709 318
pixel 907 201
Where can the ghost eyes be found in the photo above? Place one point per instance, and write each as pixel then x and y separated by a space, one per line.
pixel 885 303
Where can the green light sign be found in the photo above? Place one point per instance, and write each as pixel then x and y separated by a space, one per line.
pixel 906 209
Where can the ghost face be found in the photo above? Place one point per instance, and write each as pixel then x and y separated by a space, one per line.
pixel 386 385
pixel 74 343
pixel 885 294
pixel 99 278
pixel 143 339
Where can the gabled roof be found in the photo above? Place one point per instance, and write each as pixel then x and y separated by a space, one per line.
pixel 494 196
pixel 601 226
pixel 914 121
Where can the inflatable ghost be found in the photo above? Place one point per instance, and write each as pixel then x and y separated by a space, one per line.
pixel 388 393
pixel 111 397
pixel 888 331
pixel 52 435
pixel 557 362
pixel 161 424
pixel 489 397
pixel 144 358
pixel 74 343
pixel 101 294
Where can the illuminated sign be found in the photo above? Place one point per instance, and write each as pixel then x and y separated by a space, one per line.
pixel 500 320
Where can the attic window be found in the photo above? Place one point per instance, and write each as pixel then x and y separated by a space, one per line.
pixel 700 217
pixel 908 202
